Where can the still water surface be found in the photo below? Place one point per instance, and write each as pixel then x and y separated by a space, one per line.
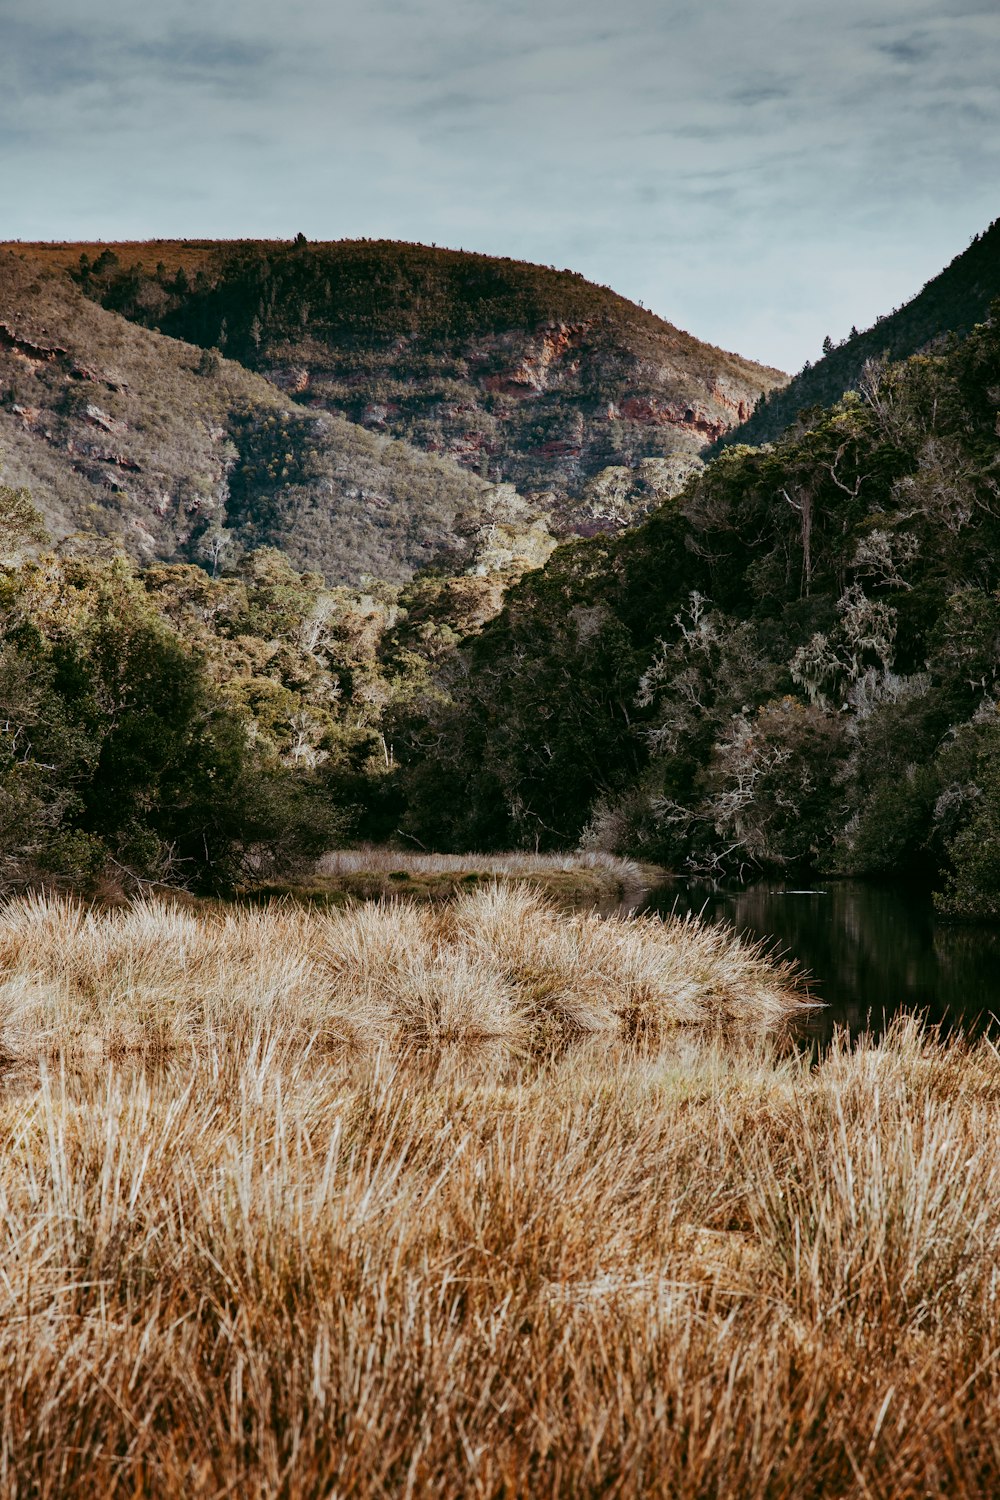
pixel 872 951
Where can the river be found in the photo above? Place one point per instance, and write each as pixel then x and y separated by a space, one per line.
pixel 872 951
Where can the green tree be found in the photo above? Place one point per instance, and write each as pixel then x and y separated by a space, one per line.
pixel 21 524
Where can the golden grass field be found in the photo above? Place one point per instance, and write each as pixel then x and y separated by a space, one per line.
pixel 477 1200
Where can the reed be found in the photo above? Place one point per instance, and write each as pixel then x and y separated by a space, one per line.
pixel 477 1201
pixel 498 962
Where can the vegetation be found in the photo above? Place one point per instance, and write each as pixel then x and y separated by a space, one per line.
pixel 164 724
pixel 122 759
pixel 953 302
pixel 522 373
pixel 587 881
pixel 248 1249
pixel 797 664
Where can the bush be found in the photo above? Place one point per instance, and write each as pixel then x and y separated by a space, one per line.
pixel 121 757
pixel 972 888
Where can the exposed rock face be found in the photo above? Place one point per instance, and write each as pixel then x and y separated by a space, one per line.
pixel 294 378
pixel 521 373
pixel 648 412
pixel 545 408
pixel 98 418
pixel 530 375
pixel 28 348
pixel 734 400
pixel 30 415
pixel 100 455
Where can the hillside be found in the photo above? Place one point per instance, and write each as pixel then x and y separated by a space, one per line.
pixel 521 373
pixel 125 435
pixel 796 666
pixel 951 303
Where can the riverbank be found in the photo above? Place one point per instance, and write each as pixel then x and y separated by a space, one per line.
pixel 249 1249
pixel 873 949
pixel 574 882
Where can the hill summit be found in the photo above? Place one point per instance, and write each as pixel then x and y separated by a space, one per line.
pixel 520 373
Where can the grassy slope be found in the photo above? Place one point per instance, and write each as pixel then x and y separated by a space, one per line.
pixel 191 255
pixel 952 302
pixel 522 372
pixel 245 1256
pixel 121 437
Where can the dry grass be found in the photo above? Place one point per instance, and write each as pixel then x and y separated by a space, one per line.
pixel 376 857
pixel 261 1260
pixel 498 962
pixel 192 255
pixel 574 882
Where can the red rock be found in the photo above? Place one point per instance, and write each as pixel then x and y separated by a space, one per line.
pixel 39 353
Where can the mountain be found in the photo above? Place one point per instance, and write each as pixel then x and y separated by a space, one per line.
pixel 954 301
pixel 133 438
pixel 593 407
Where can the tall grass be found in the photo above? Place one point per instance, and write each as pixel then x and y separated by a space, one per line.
pixel 378 857
pixel 270 1227
pixel 498 962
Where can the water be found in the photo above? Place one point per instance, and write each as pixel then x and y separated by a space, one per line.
pixel 873 951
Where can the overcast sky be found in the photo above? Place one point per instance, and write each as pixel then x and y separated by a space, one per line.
pixel 761 172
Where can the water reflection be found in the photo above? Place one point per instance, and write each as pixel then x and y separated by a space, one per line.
pixel 873 951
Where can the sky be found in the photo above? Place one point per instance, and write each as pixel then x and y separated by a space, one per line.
pixel 759 172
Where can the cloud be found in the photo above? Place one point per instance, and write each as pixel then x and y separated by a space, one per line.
pixel 760 171
pixel 216 62
pixel 907 50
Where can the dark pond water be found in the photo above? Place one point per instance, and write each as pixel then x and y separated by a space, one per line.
pixel 872 951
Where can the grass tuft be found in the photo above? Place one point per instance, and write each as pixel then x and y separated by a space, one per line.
pixel 498 962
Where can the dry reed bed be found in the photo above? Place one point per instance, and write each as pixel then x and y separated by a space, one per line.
pixel 376 857
pixel 686 1265
pixel 706 1271
pixel 498 962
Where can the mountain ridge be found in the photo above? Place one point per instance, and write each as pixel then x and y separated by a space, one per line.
pixel 950 303
pixel 129 437
pixel 523 374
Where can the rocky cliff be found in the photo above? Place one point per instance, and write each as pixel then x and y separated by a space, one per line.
pixel 521 374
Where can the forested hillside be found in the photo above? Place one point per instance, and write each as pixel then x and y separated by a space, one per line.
pixel 159 724
pixel 951 303
pixel 797 664
pixel 132 439
pixel 521 373
pixel 794 664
